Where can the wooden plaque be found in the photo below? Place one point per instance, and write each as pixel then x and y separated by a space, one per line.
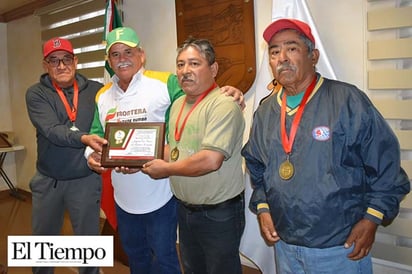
pixel 132 144
pixel 229 25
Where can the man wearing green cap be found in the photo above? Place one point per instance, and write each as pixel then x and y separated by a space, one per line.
pixel 145 208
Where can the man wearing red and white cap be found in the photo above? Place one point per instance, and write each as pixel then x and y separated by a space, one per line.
pixel 61 108
pixel 324 164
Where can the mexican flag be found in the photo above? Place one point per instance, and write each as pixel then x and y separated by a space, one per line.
pixel 112 21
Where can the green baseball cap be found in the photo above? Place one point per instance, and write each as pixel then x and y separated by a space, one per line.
pixel 122 35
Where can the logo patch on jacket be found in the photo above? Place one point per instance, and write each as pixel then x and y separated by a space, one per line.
pixel 321 133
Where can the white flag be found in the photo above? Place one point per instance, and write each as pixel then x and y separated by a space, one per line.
pixel 252 245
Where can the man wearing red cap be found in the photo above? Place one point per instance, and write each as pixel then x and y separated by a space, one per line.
pixel 61 108
pixel 324 164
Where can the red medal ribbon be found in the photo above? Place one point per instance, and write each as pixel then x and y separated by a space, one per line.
pixel 71 111
pixel 178 133
pixel 287 142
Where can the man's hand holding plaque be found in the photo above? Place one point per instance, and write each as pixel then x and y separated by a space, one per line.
pixel 130 145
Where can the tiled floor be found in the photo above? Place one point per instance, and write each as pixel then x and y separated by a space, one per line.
pixel 15 219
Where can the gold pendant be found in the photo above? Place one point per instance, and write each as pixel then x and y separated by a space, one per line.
pixel 174 154
pixel 286 170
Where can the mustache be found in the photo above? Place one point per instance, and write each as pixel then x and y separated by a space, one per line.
pixel 122 64
pixel 185 77
pixel 283 67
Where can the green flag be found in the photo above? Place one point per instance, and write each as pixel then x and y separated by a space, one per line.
pixel 112 21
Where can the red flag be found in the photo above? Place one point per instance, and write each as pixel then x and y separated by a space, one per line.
pixel 107 204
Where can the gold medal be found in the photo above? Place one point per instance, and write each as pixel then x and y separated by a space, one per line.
pixel 286 170
pixel 174 154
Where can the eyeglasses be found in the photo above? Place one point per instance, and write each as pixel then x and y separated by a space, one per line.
pixel 55 62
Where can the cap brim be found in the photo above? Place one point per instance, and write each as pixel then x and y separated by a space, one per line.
pixel 127 43
pixel 54 50
pixel 282 24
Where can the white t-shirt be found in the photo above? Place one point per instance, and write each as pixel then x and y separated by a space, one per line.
pixel 145 100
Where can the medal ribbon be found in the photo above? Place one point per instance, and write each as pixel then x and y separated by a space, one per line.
pixel 178 133
pixel 71 111
pixel 287 142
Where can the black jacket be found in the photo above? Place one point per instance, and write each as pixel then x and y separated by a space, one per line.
pixel 59 149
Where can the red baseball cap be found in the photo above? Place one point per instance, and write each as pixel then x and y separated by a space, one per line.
pixel 282 24
pixel 55 44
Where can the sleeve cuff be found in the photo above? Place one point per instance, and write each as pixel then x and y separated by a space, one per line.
pixel 87 152
pixel 262 207
pixel 374 215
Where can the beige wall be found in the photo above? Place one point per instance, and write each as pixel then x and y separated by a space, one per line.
pixel 24 69
pixel 5 109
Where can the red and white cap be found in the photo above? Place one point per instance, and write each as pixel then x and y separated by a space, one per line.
pixel 283 24
pixel 56 44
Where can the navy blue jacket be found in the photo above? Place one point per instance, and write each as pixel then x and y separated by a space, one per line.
pixel 346 160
